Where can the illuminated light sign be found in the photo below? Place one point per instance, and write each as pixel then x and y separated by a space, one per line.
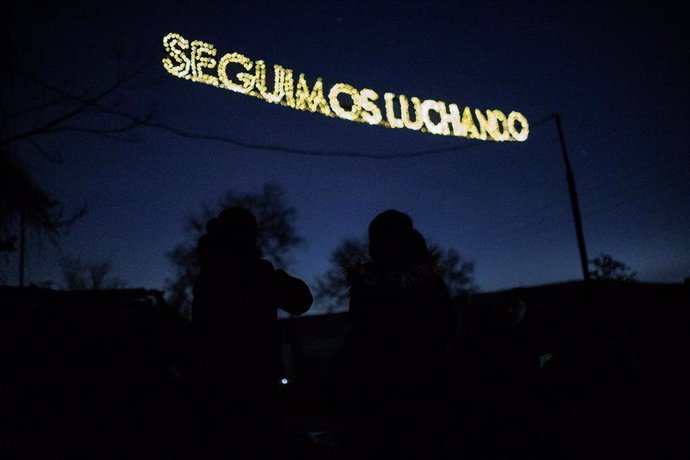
pixel 196 61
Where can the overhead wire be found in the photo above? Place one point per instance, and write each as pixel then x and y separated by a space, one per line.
pixel 598 187
pixel 139 121
pixel 135 120
pixel 589 209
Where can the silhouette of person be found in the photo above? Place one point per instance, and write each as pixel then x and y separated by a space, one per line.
pixel 401 321
pixel 236 297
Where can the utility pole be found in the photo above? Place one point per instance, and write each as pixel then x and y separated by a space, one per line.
pixel 574 204
pixel 22 245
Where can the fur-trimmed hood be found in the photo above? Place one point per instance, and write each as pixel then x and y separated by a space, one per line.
pixel 369 275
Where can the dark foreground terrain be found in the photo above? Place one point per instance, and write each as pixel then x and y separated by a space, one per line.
pixel 571 371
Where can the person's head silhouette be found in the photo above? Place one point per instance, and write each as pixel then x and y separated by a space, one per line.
pixel 391 236
pixel 234 234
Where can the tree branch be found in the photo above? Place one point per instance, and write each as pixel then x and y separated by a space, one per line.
pixel 50 125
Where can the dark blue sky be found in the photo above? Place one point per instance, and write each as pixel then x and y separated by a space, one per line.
pixel 617 73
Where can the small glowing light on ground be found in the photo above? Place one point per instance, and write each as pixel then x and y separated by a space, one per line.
pixel 284 381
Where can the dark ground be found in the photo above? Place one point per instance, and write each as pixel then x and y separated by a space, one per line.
pixel 586 371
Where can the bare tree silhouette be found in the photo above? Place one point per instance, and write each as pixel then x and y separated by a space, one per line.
pixel 80 274
pixel 36 105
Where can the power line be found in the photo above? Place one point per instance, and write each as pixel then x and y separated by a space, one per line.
pixel 596 206
pixel 148 122
pixel 529 214
pixel 590 209
pixel 332 153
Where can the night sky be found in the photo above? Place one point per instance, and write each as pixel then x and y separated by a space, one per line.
pixel 617 74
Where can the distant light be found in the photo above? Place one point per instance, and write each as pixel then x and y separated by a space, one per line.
pixel 284 381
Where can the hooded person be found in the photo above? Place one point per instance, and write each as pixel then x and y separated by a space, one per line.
pixel 400 316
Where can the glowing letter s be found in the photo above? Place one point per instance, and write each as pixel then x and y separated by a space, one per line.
pixel 175 45
pixel 370 111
